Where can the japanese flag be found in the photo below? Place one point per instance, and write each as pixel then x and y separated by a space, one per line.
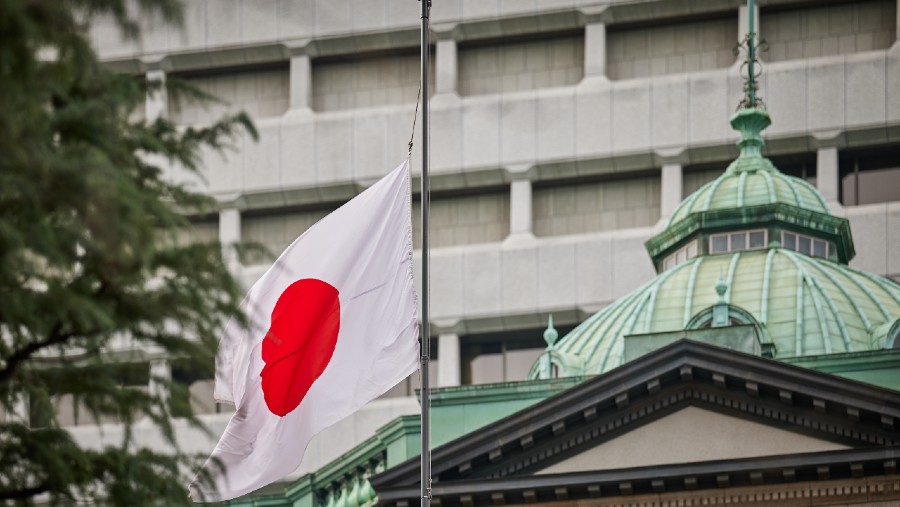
pixel 333 325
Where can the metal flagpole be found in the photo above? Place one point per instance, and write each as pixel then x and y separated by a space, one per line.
pixel 425 335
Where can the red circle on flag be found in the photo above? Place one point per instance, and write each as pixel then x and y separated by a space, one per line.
pixel 299 343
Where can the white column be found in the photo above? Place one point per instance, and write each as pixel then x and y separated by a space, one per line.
pixel 595 50
pixel 742 23
pixel 157 105
pixel 230 235
pixel 520 214
pixel 671 189
pixel 446 67
pixel 448 360
pixel 828 173
pixel 160 372
pixel 301 82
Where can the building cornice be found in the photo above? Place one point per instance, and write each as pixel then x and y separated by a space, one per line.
pixel 765 479
pixel 679 375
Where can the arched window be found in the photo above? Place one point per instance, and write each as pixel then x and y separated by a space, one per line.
pixel 734 316
pixel 893 336
pixel 555 364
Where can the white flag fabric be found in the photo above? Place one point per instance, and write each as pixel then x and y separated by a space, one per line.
pixel 333 325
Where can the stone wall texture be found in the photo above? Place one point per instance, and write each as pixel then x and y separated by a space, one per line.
pixel 671 49
pixel 596 206
pixel 840 29
pixel 521 66
pixel 464 220
pixel 260 93
pixel 365 82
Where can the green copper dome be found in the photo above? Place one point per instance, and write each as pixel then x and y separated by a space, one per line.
pixel 752 192
pixel 751 180
pixel 801 304
pixel 754 250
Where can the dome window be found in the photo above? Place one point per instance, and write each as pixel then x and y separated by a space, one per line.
pixel 893 336
pixel 737 241
pixel 806 245
pixel 683 254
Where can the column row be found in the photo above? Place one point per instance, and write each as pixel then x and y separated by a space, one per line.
pixel 600 54
pixel 521 210
pixel 595 52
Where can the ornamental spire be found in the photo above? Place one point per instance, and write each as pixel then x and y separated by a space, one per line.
pixel 751 117
pixel 550 334
pixel 751 68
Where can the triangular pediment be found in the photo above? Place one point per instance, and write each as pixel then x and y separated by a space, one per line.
pixel 690 435
pixel 664 413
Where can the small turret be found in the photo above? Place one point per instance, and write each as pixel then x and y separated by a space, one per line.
pixel 550 334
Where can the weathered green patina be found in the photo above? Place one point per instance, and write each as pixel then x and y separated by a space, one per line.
pixel 456 411
pixel 801 304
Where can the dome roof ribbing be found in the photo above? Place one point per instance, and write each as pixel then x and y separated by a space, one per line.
pixel 763 185
pixel 799 304
pixel 804 305
pixel 751 180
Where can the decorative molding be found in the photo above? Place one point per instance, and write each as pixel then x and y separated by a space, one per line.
pixel 778 412
pixel 858 476
pixel 826 493
pixel 653 386
pixel 767 413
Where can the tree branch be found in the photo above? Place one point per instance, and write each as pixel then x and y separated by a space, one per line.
pixel 22 494
pixel 56 337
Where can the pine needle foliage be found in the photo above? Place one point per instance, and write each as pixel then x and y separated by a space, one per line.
pixel 95 278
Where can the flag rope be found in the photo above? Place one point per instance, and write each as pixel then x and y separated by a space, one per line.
pixel 412 134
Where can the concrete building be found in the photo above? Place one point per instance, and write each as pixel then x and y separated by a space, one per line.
pixel 635 407
pixel 565 133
